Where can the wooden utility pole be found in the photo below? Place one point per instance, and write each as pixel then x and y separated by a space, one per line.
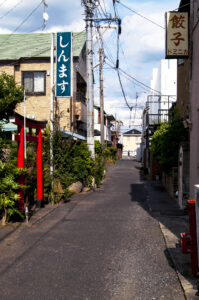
pixel 101 94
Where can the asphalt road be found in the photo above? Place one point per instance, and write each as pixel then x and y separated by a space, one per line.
pixel 103 245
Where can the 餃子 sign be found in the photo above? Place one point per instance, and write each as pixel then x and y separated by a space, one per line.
pixel 177 34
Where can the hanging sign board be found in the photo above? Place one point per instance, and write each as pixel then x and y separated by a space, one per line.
pixel 177 34
pixel 63 62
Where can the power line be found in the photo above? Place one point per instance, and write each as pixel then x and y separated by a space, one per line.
pixel 103 11
pixel 10 10
pixel 141 83
pixel 127 76
pixel 188 4
pixel 135 107
pixel 149 20
pixel 104 7
pixel 118 35
pixel 135 12
pixel 108 52
pixel 114 7
pixel 135 83
pixel 3 3
pixel 101 14
pixel 118 73
pixel 32 12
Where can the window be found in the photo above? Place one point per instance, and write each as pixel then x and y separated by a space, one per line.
pixel 34 82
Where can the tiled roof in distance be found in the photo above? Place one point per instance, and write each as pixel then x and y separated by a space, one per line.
pixel 24 45
pixel 132 131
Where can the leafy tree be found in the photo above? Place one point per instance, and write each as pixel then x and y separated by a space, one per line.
pixel 10 95
pixel 166 140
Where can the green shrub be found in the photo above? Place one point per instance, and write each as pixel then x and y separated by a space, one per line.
pixel 9 190
pixel 72 162
pixel 110 154
pixel 166 140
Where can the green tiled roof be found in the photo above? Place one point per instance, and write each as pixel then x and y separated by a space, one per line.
pixel 16 46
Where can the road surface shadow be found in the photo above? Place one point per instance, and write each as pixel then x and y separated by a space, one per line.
pixel 154 199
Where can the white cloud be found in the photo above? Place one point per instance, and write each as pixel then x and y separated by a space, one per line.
pixel 142 49
pixel 76 26
pixel 4 31
pixel 142 42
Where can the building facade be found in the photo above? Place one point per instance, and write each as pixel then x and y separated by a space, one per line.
pixel 194 101
pixel 159 102
pixel 108 124
pixel 27 58
pixel 131 141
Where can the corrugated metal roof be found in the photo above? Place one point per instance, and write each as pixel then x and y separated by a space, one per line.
pixel 16 46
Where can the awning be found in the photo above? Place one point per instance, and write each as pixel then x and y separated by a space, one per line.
pixel 9 127
pixel 12 127
pixel 74 135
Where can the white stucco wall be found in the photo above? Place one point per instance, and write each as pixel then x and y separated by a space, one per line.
pixel 165 81
pixel 131 143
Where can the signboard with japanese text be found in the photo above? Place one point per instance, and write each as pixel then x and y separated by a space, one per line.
pixel 177 34
pixel 63 61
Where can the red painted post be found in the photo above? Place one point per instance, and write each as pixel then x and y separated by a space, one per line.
pixel 192 226
pixel 20 164
pixel 39 170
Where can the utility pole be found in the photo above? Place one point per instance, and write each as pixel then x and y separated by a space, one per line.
pixel 89 7
pixel 101 94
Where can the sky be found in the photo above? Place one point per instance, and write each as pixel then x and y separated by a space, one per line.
pixel 141 44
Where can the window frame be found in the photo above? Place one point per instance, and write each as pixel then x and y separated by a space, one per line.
pixel 32 73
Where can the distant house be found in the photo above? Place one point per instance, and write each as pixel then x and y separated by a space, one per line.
pixel 108 124
pixel 27 58
pixel 131 141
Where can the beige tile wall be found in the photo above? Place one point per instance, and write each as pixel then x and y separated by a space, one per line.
pixel 39 106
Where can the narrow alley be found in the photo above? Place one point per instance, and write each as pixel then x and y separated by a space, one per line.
pixel 100 245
